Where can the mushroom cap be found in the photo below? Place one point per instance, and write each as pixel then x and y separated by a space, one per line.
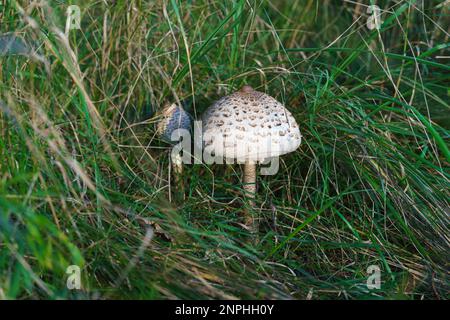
pixel 249 125
pixel 173 117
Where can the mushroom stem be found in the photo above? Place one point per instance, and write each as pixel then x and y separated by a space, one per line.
pixel 250 191
pixel 177 167
pixel 250 179
pixel 177 164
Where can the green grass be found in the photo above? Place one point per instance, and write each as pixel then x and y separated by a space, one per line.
pixel 84 181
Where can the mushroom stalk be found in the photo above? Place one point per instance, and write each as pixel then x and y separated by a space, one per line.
pixel 250 179
pixel 177 167
pixel 177 164
pixel 250 191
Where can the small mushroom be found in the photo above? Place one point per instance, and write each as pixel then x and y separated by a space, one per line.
pixel 171 118
pixel 257 127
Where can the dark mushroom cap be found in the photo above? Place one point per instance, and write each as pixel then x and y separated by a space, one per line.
pixel 173 117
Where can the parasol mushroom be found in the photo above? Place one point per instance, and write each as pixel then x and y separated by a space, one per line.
pixel 249 126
